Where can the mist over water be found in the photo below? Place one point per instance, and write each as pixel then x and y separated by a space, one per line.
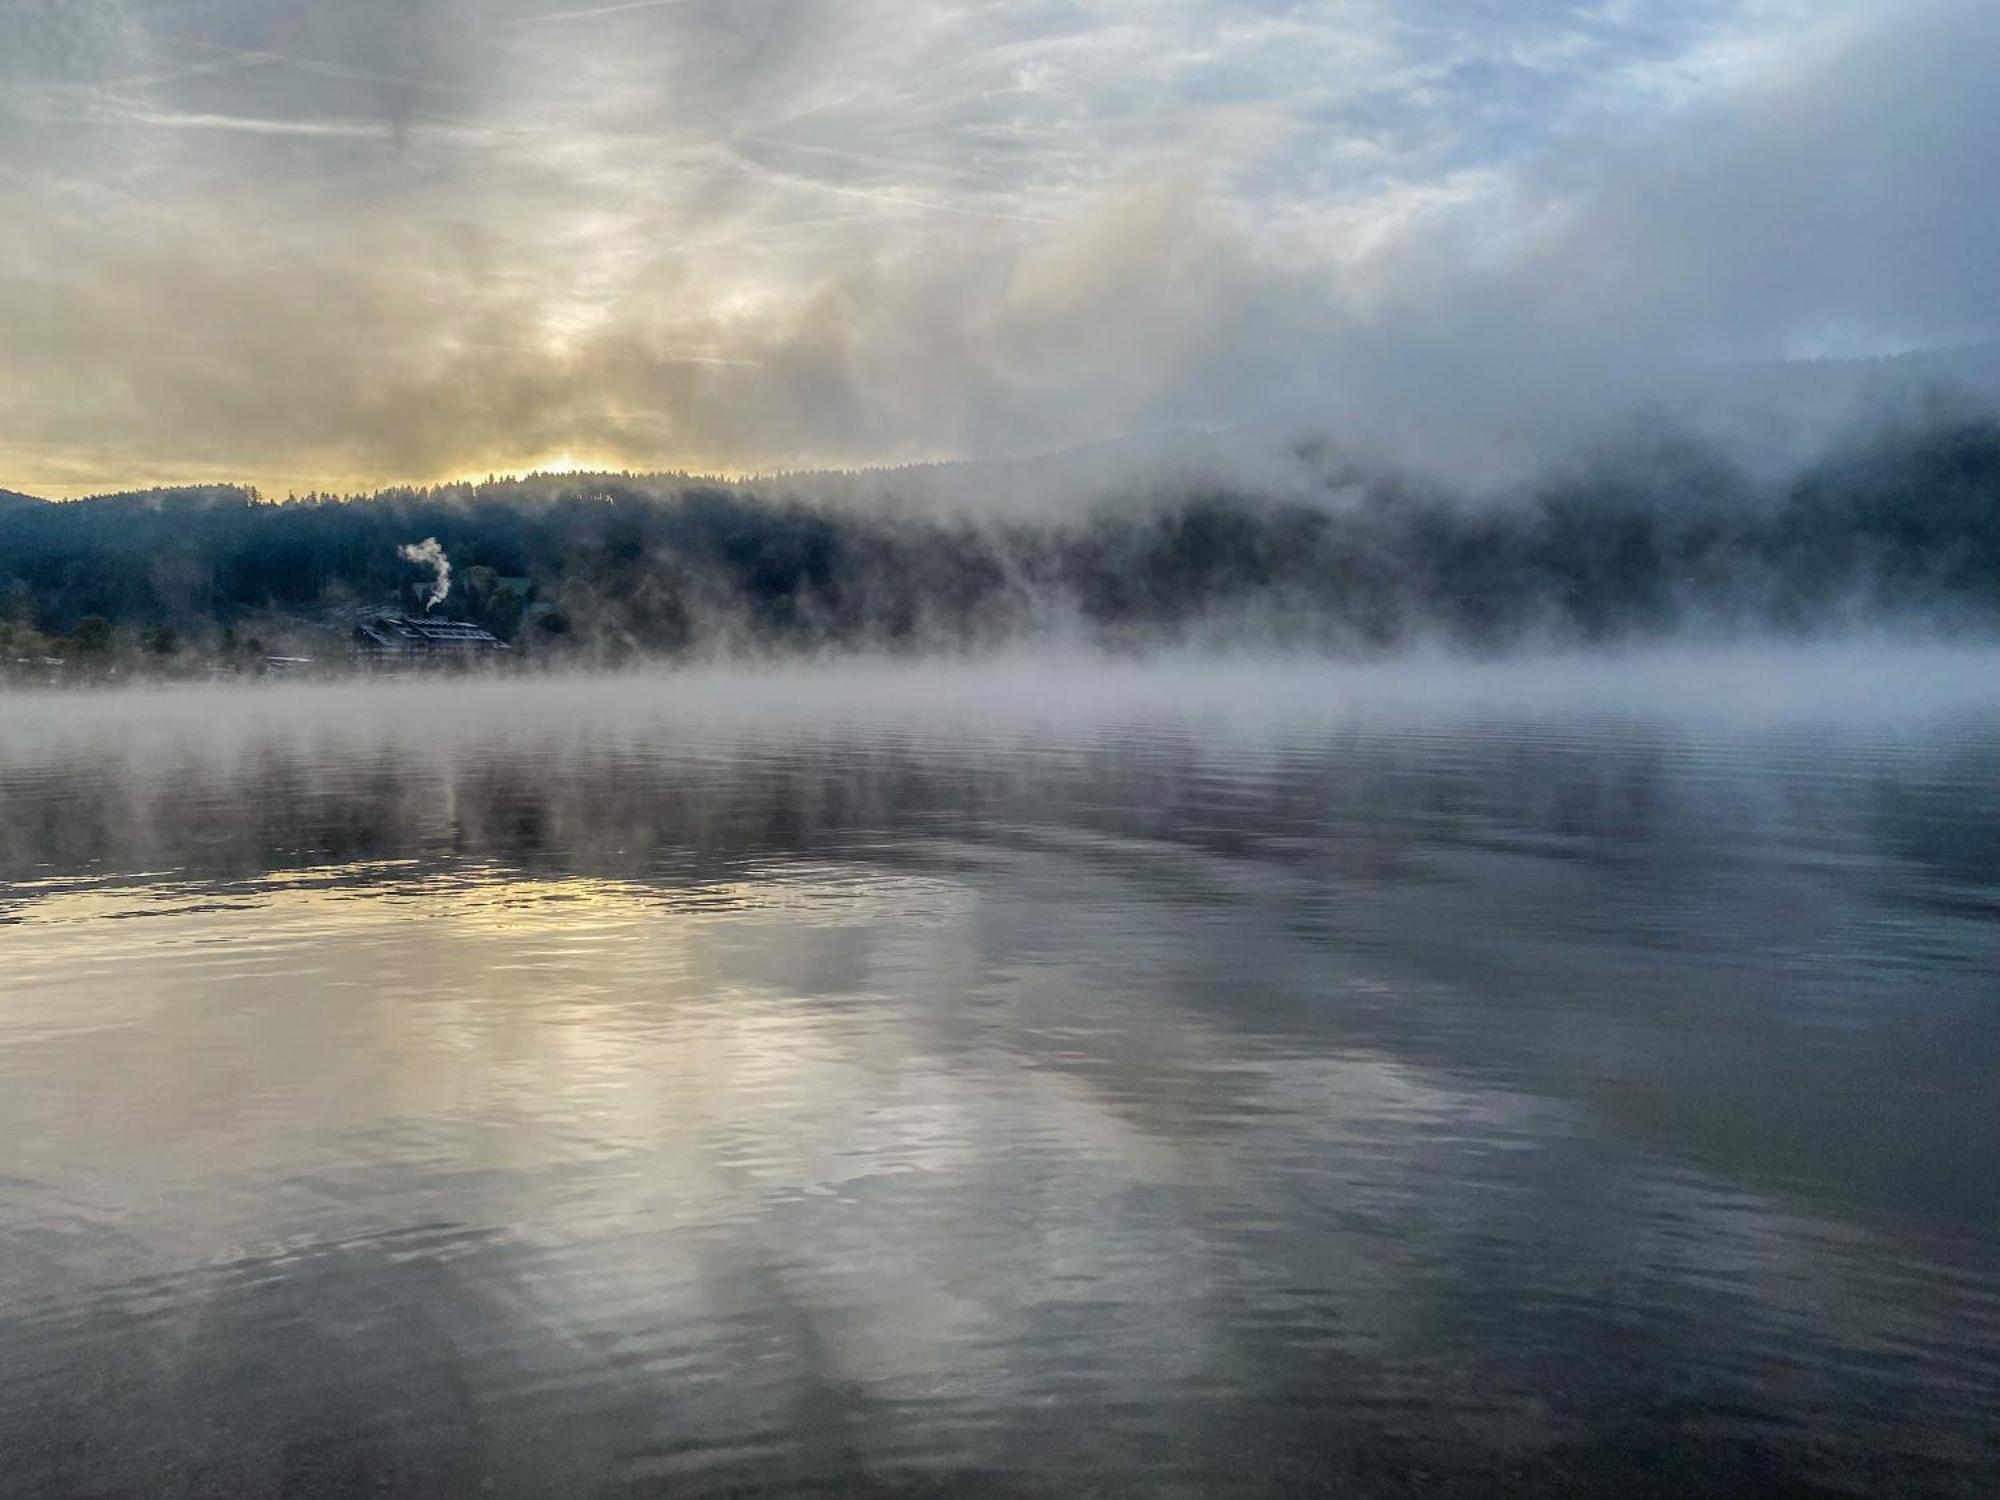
pixel 1207 1076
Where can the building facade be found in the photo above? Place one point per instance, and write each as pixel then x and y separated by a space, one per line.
pixel 423 638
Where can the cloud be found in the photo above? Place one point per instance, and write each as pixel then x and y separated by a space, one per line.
pixel 416 238
pixel 557 16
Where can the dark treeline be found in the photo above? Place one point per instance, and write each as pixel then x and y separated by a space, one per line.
pixel 1655 538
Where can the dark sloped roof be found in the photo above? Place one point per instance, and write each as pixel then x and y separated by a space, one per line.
pixel 426 630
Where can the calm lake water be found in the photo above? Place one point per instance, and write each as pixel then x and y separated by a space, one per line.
pixel 1418 1080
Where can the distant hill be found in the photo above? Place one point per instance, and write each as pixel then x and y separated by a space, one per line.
pixel 1774 415
pixel 1973 368
pixel 1654 535
pixel 1790 497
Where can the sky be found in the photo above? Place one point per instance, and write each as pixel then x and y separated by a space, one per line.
pixel 342 243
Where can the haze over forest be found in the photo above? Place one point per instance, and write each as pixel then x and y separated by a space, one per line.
pixel 1656 537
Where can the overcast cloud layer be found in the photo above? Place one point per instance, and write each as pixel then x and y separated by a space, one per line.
pixel 344 242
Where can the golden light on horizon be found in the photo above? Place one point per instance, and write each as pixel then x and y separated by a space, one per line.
pixel 567 462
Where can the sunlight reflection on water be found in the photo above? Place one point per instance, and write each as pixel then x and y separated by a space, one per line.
pixel 608 1088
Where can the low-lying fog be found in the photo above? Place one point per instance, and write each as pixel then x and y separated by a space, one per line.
pixel 1852 681
pixel 1225 1075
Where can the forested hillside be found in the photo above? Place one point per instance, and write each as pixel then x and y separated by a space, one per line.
pixel 1655 538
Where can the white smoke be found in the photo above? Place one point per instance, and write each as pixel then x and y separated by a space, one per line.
pixel 430 555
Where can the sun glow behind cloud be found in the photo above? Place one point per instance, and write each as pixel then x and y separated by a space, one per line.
pixel 319 246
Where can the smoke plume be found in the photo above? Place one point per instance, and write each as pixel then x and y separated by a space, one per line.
pixel 429 554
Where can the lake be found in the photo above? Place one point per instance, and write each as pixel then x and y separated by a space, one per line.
pixel 1208 1078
